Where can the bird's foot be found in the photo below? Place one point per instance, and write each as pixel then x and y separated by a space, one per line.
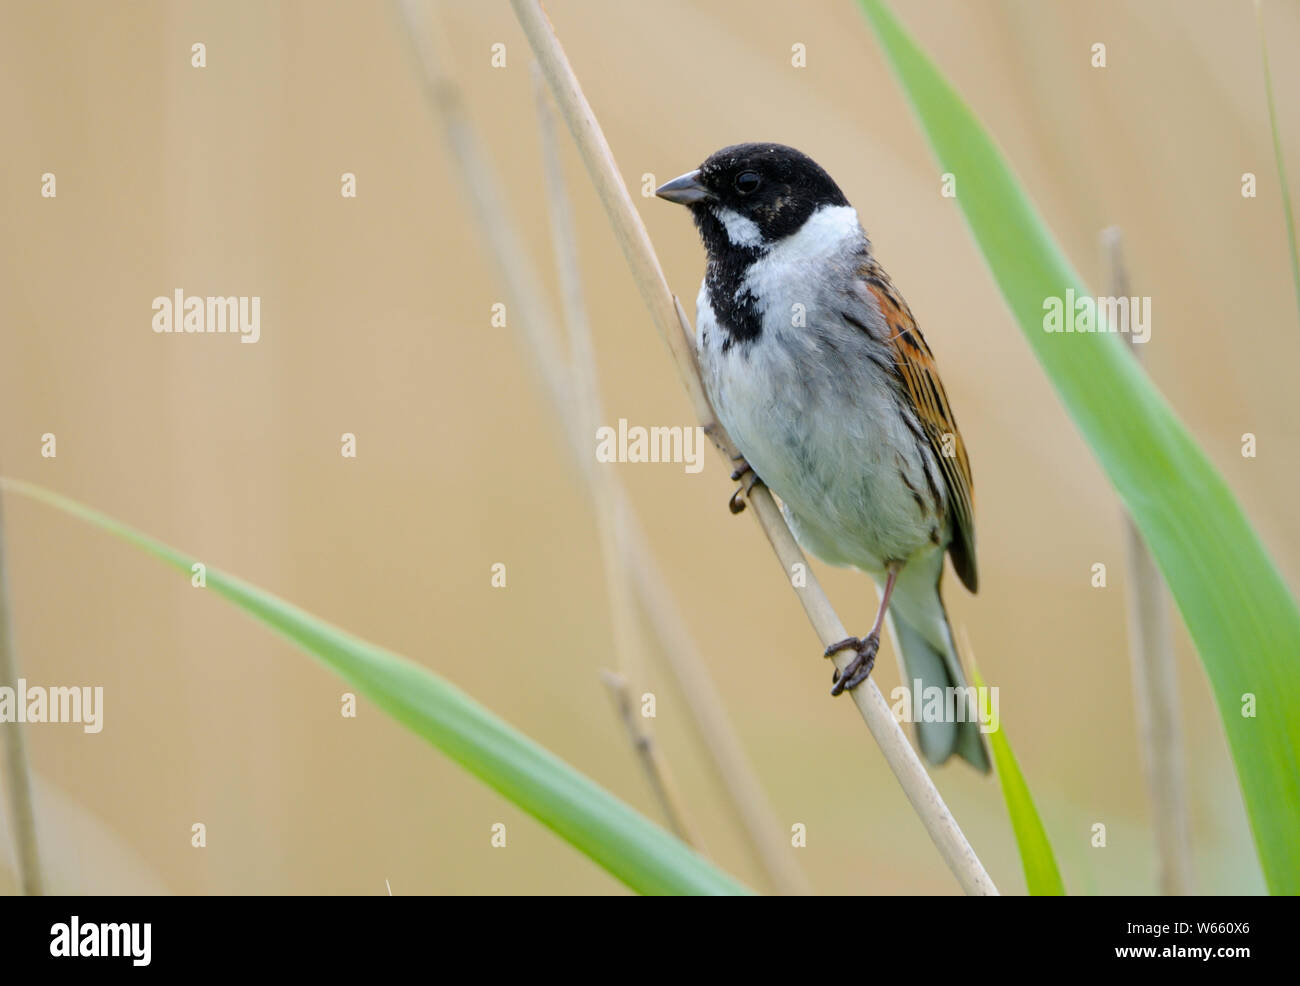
pixel 747 478
pixel 859 668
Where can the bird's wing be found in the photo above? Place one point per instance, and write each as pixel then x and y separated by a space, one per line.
pixel 921 384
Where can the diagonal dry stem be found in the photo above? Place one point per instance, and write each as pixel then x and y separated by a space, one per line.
pixel 629 642
pixel 522 287
pixel 671 321
pixel 1154 680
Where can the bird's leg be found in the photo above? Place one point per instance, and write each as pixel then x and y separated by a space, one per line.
pixel 744 475
pixel 860 667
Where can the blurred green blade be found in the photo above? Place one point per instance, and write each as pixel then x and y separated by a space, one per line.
pixel 1240 614
pixel 1041 874
pixel 625 843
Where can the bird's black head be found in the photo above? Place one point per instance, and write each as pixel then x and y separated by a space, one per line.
pixel 751 196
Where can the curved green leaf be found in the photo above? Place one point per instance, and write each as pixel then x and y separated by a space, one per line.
pixel 1244 621
pixel 625 843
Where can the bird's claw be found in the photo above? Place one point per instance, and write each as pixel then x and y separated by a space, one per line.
pixel 746 476
pixel 859 669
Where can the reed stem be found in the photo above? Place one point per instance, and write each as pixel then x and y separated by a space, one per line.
pixel 1155 683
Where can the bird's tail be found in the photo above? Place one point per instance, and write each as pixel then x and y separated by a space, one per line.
pixel 929 660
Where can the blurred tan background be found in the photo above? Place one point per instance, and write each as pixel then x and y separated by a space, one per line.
pixel 375 320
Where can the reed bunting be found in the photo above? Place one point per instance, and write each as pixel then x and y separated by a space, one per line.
pixel 818 371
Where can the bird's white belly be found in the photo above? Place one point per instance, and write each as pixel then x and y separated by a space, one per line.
pixel 822 430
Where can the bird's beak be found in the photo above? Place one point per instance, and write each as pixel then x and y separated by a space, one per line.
pixel 685 190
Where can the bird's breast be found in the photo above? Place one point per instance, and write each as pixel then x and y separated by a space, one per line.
pixel 817 415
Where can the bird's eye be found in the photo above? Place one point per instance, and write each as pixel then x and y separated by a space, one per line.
pixel 747 181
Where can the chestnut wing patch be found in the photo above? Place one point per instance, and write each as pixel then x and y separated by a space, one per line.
pixel 916 368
